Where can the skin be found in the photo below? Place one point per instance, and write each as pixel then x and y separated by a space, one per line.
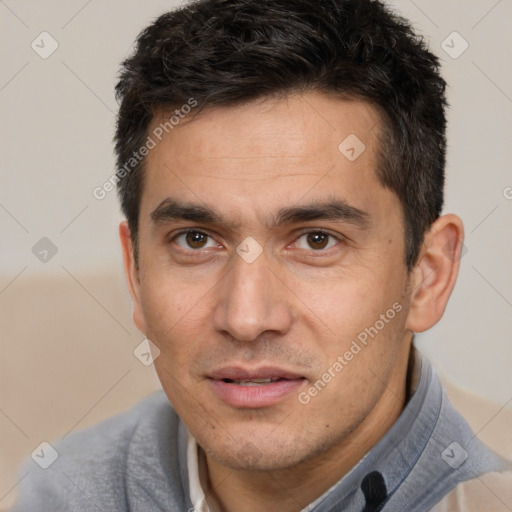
pixel 298 306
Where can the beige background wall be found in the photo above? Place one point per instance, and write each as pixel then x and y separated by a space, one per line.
pixel 67 339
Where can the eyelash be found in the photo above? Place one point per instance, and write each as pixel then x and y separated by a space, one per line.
pixel 339 239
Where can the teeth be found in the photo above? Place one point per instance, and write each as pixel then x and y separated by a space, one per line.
pixel 253 382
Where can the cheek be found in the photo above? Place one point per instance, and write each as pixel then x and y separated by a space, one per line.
pixel 342 305
pixel 356 372
pixel 361 320
pixel 175 319
pixel 172 310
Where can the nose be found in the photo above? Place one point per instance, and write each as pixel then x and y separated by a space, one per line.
pixel 251 301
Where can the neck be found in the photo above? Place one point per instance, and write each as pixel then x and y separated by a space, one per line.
pixel 292 489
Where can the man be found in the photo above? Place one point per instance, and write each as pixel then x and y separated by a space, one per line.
pixel 281 168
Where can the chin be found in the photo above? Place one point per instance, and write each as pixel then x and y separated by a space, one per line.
pixel 251 458
pixel 262 454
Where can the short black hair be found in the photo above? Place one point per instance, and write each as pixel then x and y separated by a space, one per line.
pixel 223 52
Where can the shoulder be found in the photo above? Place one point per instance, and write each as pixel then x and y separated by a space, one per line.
pixel 106 445
pixel 90 467
pixel 491 492
pixel 110 440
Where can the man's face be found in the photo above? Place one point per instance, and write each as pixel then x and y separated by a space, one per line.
pixel 269 176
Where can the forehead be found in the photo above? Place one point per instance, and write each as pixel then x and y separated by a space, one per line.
pixel 265 154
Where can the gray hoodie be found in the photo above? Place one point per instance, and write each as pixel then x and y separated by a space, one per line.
pixel 137 461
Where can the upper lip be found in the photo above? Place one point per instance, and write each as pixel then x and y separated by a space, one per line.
pixel 239 373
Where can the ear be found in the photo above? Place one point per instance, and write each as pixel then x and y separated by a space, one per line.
pixel 131 272
pixel 434 276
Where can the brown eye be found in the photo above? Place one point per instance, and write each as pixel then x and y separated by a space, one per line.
pixel 196 239
pixel 317 240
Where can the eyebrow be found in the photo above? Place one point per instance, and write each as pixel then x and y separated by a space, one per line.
pixel 332 210
pixel 172 209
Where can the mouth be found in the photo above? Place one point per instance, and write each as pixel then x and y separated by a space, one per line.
pixel 251 382
pixel 254 389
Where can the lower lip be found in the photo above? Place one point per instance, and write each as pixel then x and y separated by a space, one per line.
pixel 255 397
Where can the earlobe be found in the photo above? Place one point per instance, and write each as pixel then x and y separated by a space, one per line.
pixel 435 273
pixel 131 273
